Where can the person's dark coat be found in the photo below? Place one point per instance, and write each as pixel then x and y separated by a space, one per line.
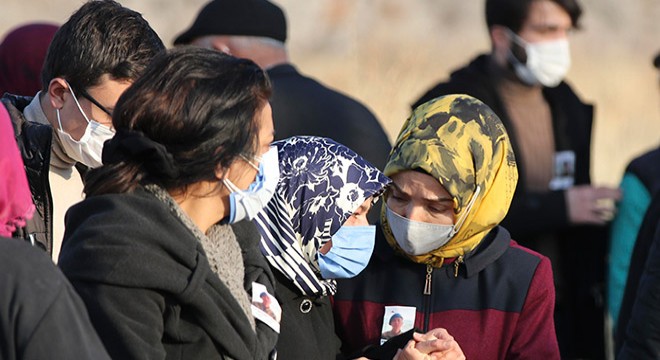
pixel 647 169
pixel 34 142
pixel 148 285
pixel 531 212
pixel 304 317
pixel 303 106
pixel 637 333
pixel 41 316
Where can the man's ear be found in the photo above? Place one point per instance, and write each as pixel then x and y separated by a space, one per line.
pixel 56 90
pixel 501 41
pixel 500 37
pixel 220 44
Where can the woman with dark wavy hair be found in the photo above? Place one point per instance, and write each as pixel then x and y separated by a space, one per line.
pixel 159 250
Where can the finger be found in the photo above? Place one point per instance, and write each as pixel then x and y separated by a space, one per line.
pixel 397 355
pixel 605 209
pixel 453 353
pixel 408 352
pixel 432 346
pixel 411 344
pixel 437 333
pixel 607 192
pixel 604 204
pixel 423 337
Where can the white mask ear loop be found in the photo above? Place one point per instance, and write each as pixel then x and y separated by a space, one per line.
pixel 230 185
pixel 59 121
pixel 77 103
pixel 460 221
pixel 516 38
pixel 254 166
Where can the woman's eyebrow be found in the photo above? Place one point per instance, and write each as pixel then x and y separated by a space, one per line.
pixel 429 199
pixel 396 187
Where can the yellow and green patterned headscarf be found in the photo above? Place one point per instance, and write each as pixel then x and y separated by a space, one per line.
pixel 458 140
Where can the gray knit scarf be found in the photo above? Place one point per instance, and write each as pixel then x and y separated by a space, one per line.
pixel 222 251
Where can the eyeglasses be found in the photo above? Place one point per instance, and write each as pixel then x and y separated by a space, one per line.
pixel 89 97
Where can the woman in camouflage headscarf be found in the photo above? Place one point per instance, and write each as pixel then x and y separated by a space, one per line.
pixel 460 143
pixel 440 248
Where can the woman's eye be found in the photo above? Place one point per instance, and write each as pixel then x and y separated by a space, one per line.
pixel 437 209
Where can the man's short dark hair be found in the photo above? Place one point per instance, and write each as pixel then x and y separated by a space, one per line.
pixel 102 37
pixel 513 13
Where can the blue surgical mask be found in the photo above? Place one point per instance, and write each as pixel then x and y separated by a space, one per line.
pixel 350 252
pixel 246 204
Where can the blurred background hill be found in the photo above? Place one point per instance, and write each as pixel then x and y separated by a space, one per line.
pixel 388 52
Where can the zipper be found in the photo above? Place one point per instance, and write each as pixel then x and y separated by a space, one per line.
pixel 427 284
pixel 457 263
pixel 427 297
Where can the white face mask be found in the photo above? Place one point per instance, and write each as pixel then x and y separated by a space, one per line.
pixel 547 62
pixel 418 238
pixel 246 204
pixel 89 148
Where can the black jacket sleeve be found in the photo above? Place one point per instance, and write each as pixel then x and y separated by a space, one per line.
pixel 643 330
pixel 41 316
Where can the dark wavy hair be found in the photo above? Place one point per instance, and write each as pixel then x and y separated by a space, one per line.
pixel 196 109
pixel 101 37
pixel 512 13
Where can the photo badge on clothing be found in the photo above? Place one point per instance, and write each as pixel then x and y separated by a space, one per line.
pixel 564 171
pixel 396 321
pixel 265 307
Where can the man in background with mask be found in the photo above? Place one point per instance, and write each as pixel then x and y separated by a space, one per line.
pixel 92 59
pixel 555 210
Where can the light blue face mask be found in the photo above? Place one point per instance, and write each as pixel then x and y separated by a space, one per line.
pixel 350 252
pixel 245 204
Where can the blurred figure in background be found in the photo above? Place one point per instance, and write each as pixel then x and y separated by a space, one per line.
pixel 631 240
pixel 100 50
pixel 556 210
pixel 638 328
pixel 41 316
pixel 257 30
pixel 22 54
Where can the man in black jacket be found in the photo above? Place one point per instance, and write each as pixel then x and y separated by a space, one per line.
pixel 257 30
pixel 637 332
pixel 637 327
pixel 92 59
pixel 556 210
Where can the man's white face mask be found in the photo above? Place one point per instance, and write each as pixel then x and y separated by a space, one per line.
pixel 89 148
pixel 547 61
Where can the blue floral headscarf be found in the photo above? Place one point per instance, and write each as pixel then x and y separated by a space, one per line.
pixel 321 184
